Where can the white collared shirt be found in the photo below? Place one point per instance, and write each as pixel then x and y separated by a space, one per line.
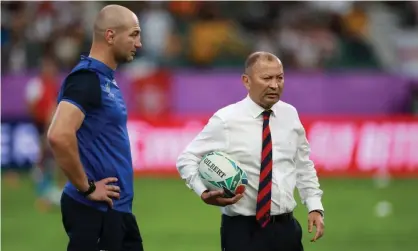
pixel 237 131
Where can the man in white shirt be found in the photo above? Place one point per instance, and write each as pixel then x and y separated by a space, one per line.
pixel 267 138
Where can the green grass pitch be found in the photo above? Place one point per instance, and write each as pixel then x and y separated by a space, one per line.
pixel 171 217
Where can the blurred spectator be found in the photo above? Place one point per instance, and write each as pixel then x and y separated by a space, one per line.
pixel 183 8
pixel 309 43
pixel 155 18
pixel 355 21
pixel 306 35
pixel 214 38
pixel 41 94
pixel 14 56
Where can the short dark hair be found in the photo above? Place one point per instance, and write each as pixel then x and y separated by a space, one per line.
pixel 254 57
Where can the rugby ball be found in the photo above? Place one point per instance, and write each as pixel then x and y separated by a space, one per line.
pixel 219 171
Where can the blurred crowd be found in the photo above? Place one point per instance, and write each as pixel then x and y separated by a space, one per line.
pixel 305 35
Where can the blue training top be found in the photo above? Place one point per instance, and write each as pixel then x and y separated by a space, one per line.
pixel 103 140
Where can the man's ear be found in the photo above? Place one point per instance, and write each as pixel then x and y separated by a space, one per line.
pixel 246 81
pixel 110 36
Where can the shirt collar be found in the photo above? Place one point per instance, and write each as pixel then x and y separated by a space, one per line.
pixel 100 66
pixel 257 110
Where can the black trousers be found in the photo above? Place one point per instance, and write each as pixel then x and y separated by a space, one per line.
pixel 92 230
pixel 244 233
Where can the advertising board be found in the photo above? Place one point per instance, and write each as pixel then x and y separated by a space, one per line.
pixel 346 146
pixel 340 146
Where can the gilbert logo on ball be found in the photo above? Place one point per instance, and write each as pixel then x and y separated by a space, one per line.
pixel 219 171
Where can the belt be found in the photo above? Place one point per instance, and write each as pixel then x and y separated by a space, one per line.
pixel 281 217
pixel 273 218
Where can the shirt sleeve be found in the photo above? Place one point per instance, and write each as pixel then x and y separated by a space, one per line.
pixel 307 179
pixel 82 89
pixel 213 137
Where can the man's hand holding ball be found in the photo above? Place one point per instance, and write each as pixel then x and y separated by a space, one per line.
pixel 216 198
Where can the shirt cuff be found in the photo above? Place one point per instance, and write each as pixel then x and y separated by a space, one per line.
pixel 198 186
pixel 314 204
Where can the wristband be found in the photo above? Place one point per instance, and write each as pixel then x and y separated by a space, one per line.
pixel 92 188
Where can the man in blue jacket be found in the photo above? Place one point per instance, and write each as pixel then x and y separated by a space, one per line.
pixel 89 139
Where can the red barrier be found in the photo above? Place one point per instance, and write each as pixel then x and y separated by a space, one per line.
pixel 345 146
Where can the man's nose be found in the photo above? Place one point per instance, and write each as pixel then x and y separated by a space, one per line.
pixel 274 85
